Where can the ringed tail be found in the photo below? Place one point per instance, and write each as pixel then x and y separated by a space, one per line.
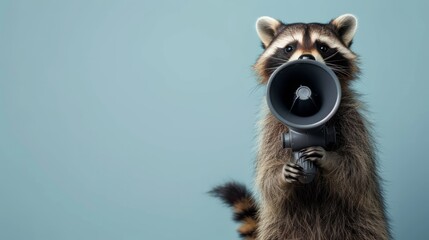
pixel 240 199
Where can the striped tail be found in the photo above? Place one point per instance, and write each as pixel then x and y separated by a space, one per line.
pixel 243 204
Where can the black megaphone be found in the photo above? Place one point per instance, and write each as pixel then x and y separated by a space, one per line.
pixel 304 95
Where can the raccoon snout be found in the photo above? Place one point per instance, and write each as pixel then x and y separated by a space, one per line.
pixel 307 56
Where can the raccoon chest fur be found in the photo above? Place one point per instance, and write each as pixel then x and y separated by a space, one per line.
pixel 343 202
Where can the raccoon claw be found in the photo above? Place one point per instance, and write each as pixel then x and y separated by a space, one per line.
pixel 314 154
pixel 291 172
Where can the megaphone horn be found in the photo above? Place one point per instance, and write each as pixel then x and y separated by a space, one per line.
pixel 303 94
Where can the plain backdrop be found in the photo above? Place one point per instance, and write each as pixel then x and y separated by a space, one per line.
pixel 116 117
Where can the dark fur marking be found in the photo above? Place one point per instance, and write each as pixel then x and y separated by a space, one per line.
pixel 250 212
pixel 336 61
pixel 231 193
pixel 278 58
pixel 247 234
pixel 307 39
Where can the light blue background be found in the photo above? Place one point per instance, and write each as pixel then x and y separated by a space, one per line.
pixel 116 117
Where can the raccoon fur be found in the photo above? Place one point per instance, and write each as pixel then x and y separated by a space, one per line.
pixel 345 199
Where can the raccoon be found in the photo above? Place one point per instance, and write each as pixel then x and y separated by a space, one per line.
pixel 345 200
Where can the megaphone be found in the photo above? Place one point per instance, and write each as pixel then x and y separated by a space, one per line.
pixel 304 94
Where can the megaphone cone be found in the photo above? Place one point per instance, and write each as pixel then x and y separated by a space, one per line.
pixel 303 94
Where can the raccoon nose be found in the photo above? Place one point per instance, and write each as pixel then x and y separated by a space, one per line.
pixel 307 56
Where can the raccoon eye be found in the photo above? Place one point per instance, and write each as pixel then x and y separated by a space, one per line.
pixel 288 48
pixel 323 48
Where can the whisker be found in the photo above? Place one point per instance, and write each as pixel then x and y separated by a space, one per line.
pixel 338 60
pixel 276 66
pixel 337 67
pixel 342 73
pixel 281 59
pixel 333 64
pixel 331 56
pixel 272 68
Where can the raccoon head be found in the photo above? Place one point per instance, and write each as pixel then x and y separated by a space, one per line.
pixel 327 43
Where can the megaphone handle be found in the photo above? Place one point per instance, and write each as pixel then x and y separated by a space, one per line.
pixel 309 168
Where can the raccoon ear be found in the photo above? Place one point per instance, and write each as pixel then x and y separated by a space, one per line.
pixel 346 26
pixel 267 28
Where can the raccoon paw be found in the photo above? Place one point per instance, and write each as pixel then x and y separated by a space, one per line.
pixel 317 155
pixel 292 172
